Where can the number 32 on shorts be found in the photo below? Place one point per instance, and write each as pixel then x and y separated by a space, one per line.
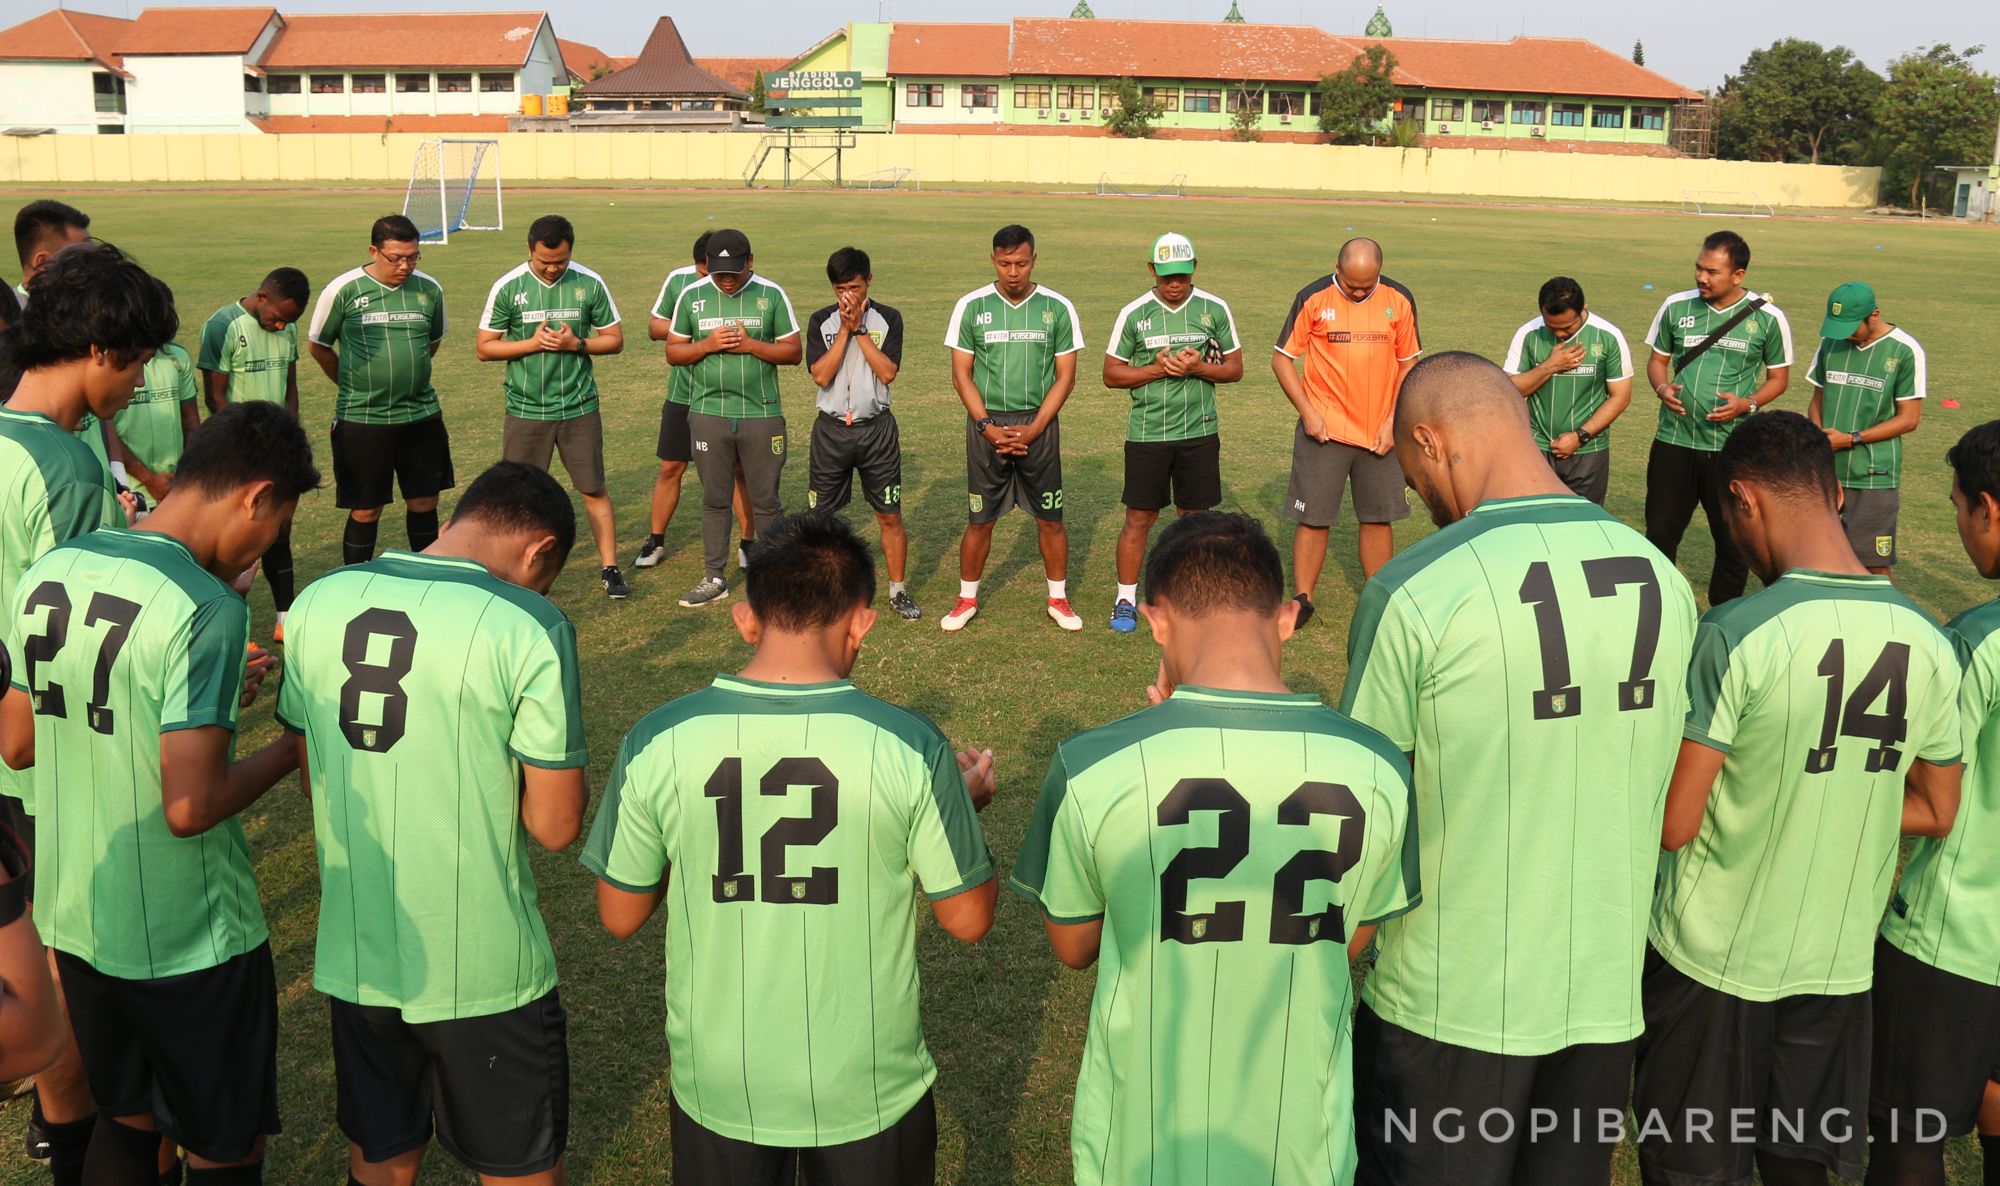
pixel 1052 500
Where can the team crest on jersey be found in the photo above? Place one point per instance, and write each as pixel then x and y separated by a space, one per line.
pixel 1891 364
pixel 1559 703
pixel 1597 350
pixel 778 445
pixel 729 889
pixel 1208 321
pixel 1389 312
pixel 1200 928
pixel 798 891
pixel 579 294
pixel 1312 929
pixel 368 739
pixel 424 299
pixel 1885 545
pixel 763 304
pixel 1048 316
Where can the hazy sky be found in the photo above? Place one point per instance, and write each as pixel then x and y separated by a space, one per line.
pixel 1681 42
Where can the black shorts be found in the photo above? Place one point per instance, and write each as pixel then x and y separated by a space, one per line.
pixel 1937 1043
pixel 197 1052
pixel 904 1154
pixel 372 461
pixel 1185 473
pixel 495 1087
pixel 1869 518
pixel 1721 1078
pixel 1428 1113
pixel 873 447
pixel 996 484
pixel 676 442
pixel 14 815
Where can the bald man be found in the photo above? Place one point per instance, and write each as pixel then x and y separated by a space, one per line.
pixel 1564 637
pixel 1350 339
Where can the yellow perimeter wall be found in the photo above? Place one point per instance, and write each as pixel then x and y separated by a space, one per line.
pixel 945 159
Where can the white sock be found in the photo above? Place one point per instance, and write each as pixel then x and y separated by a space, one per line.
pixel 281 617
pixel 1129 593
pixel 969 590
pixel 1058 590
pixel 118 472
pixel 895 587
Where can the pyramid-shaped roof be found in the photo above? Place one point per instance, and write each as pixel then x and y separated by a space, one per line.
pixel 664 67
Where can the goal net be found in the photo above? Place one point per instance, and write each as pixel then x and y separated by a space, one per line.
pixel 1732 203
pixel 454 186
pixel 1142 185
pixel 896 177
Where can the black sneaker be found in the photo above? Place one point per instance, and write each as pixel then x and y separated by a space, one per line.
pixel 614 583
pixel 650 553
pixel 38 1133
pixel 902 604
pixel 1305 611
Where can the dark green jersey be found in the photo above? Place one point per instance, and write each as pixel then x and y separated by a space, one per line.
pixel 1860 387
pixel 119 636
pixel 1231 842
pixel 259 363
pixel 1014 347
pixel 1532 656
pixel 1821 689
pixel 1568 400
pixel 150 426
pixel 544 385
pixel 1735 365
pixel 1173 409
pixel 1946 911
pixel 428 671
pixel 680 382
pixel 385 336
pixel 801 821
pixel 726 383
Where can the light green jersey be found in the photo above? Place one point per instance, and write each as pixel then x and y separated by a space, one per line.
pixel 801 821
pixel 680 381
pixel 738 386
pixel 545 386
pixel 1860 387
pixel 1568 400
pixel 119 637
pixel 1173 409
pixel 150 426
pixel 259 363
pixel 1946 911
pixel 1735 365
pixel 1014 347
pixel 1231 842
pixel 1533 657
pixel 385 337
pixel 428 671
pixel 90 430
pixel 1821 689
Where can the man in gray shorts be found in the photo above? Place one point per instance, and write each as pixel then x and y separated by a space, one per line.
pixel 854 347
pixel 1869 383
pixel 545 320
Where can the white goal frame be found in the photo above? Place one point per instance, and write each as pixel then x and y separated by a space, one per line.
pixel 1743 203
pixel 452 171
pixel 1142 185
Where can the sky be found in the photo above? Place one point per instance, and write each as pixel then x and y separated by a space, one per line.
pixel 1695 52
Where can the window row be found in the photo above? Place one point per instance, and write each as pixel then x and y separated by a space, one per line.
pixel 1561 115
pixel 376 84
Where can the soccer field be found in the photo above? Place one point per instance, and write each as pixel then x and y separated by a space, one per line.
pixel 1004 1020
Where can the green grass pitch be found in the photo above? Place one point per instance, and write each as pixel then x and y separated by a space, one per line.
pixel 1004 1020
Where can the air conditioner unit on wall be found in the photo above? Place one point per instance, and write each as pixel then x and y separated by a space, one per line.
pixel 1285 118
pixel 1063 116
pixel 1444 129
pixel 1536 132
pixel 1042 113
pixel 1485 125
pixel 1104 114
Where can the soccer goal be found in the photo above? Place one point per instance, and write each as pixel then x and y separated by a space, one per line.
pixel 1725 203
pixel 1142 185
pixel 454 186
pixel 895 177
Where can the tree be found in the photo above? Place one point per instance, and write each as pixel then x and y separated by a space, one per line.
pixel 1354 99
pixel 1246 112
pixel 757 91
pixel 1937 107
pixel 1132 113
pixel 1797 101
pixel 1639 53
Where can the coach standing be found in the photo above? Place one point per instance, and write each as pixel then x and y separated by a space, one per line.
pixel 388 430
pixel 1710 343
pixel 1575 371
pixel 1868 392
pixel 1356 330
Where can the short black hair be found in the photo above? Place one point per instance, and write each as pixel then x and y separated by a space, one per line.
pixel 1975 460
pixel 1730 241
pixel 248 441
pixel 1781 450
pixel 1013 235
pixel 1214 561
pixel 516 496
pixel 849 263
pixel 36 222
pixel 1561 295
pixel 551 230
pixel 701 247
pixel 288 284
pixel 808 571
pixel 393 228
pixel 91 294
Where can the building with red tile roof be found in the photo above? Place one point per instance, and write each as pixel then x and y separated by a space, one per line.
pixel 741 73
pixel 662 88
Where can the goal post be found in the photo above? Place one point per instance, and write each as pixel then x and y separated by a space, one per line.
pixel 1142 185
pixel 454 186
pixel 1725 203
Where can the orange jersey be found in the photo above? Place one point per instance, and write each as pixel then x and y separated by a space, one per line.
pixel 1352 351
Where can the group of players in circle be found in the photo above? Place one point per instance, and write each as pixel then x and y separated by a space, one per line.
pixel 1603 852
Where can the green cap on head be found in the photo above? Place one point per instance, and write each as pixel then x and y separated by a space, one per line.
pixel 1849 306
pixel 1173 255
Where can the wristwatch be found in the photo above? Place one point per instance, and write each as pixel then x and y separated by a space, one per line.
pixel 1584 436
pixel 983 423
pixel 1857 442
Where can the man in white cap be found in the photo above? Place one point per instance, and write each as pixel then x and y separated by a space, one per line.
pixel 1169 349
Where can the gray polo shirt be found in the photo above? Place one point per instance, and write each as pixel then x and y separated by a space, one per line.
pixel 856 392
